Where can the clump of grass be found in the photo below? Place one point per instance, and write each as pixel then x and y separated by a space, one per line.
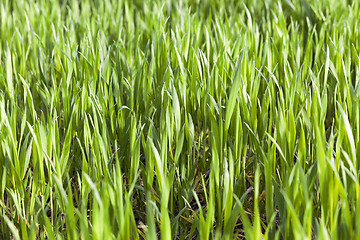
pixel 179 120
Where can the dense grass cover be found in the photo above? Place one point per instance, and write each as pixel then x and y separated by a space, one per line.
pixel 179 119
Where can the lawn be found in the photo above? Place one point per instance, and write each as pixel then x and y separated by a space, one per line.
pixel 186 119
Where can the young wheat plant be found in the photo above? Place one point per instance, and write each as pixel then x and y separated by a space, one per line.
pixel 187 119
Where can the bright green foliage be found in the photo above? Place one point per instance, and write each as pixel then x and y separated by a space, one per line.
pixel 179 119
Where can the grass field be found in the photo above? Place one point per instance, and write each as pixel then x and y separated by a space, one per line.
pixel 180 119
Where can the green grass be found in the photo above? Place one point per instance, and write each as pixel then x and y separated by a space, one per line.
pixel 179 119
